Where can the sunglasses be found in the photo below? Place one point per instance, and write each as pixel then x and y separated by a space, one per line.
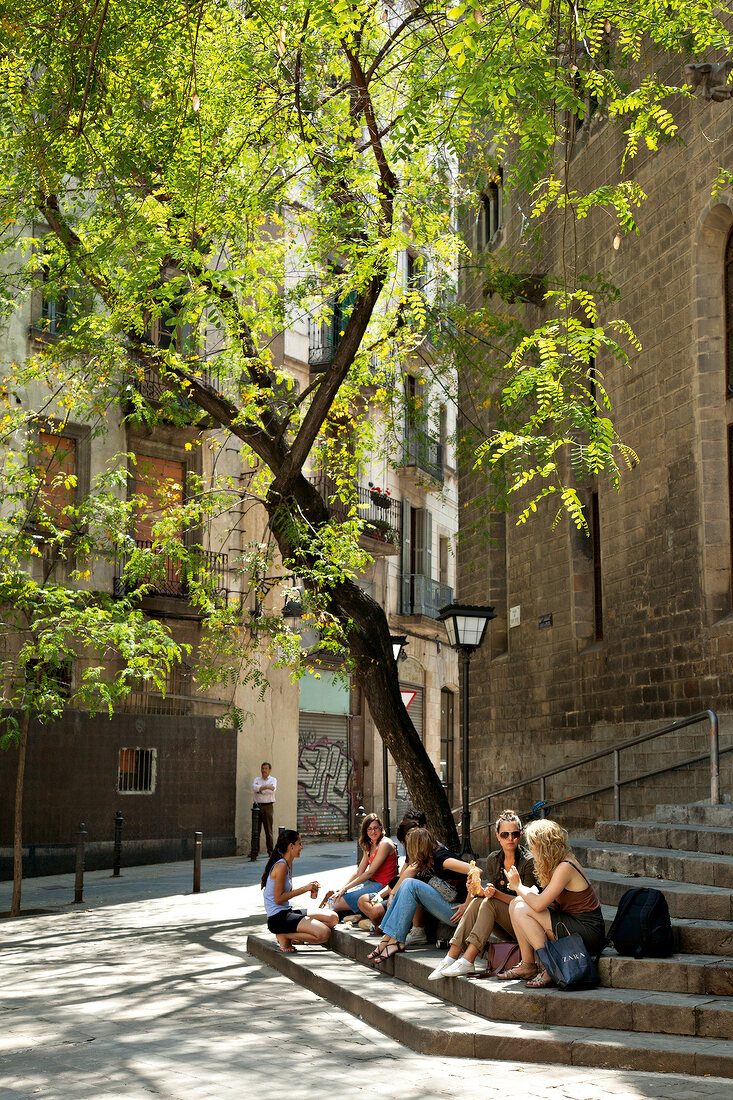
pixel 505 836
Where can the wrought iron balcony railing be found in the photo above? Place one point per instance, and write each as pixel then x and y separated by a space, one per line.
pixel 382 514
pixel 424 452
pixel 423 596
pixel 170 578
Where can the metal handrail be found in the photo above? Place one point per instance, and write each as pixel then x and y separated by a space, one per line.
pixel 618 783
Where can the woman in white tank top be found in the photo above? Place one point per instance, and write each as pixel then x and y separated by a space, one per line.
pixel 291 926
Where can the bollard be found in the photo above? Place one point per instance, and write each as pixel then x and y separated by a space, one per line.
pixel 117 854
pixel 197 843
pixel 79 883
pixel 254 848
pixel 360 815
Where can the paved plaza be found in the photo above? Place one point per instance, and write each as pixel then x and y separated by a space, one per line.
pixel 147 990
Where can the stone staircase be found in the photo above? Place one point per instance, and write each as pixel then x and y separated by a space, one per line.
pixel 673 1015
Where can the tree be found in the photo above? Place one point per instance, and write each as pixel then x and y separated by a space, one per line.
pixel 221 169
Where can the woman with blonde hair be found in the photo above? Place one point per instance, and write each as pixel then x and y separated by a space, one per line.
pixel 377 867
pixel 566 904
pixel 429 860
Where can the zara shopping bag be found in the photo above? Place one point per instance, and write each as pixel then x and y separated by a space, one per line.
pixel 568 963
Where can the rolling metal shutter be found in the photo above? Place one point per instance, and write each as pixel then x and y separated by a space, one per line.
pixel 324 772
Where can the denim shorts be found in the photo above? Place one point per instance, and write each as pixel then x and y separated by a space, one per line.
pixel 351 897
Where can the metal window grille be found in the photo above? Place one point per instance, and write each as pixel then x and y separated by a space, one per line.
pixel 136 772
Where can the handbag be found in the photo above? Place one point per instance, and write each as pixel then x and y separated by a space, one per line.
pixel 499 956
pixel 569 963
pixel 447 892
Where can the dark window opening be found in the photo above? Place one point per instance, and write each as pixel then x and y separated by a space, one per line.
pixel 595 531
pixel 729 314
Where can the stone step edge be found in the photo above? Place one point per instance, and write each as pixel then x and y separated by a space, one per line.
pixel 713 830
pixel 498 1041
pixel 613 847
pixel 599 874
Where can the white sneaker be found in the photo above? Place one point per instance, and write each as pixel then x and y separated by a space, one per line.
pixel 416 937
pixel 440 969
pixel 459 968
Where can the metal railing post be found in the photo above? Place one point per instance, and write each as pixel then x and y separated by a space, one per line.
pixel 79 880
pixel 714 759
pixel 197 843
pixel 617 783
pixel 117 853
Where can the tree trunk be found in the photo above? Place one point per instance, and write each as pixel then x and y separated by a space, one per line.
pixel 18 818
pixel 369 642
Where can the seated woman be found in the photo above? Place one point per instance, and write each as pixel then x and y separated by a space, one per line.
pixel 374 906
pixel 568 903
pixel 289 925
pixel 491 907
pixel 377 868
pixel 429 859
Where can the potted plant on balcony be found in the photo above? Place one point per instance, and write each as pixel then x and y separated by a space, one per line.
pixel 380 529
pixel 380 497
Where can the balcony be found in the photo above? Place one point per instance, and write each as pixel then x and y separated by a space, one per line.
pixel 423 596
pixel 170 579
pixel 382 515
pixel 160 393
pixel 423 453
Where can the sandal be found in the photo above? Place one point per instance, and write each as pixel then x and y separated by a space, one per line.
pixel 542 979
pixel 397 949
pixel 521 970
pixel 376 953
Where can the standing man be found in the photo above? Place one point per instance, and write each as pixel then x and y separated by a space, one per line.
pixel 263 789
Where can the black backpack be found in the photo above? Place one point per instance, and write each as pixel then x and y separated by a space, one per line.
pixel 642 925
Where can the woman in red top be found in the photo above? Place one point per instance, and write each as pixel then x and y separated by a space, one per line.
pixel 567 903
pixel 377 868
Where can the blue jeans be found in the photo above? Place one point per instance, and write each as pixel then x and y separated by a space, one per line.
pixel 351 897
pixel 411 893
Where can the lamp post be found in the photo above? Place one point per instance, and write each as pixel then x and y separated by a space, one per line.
pixel 399 641
pixel 466 627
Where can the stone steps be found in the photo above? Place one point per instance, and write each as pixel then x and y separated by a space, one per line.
pixel 696 813
pixel 615 1008
pixel 455 1021
pixel 679 974
pixel 690 868
pixel 691 902
pixel 655 834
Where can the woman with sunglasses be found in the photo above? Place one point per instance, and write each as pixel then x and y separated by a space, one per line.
pixel 567 904
pixel 377 868
pixel 491 906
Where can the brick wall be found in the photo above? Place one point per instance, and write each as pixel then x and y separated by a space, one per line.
pixel 71 776
pixel 548 695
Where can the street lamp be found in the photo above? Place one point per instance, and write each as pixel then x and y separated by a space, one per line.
pixel 466 626
pixel 399 641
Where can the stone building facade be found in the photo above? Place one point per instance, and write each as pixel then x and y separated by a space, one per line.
pixel 600 638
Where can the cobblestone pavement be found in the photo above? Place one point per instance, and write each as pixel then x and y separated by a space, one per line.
pixel 146 990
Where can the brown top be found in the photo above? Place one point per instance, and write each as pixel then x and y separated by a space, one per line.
pixel 577 901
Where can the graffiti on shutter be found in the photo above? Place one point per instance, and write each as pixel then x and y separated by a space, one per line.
pixel 324 771
pixel 403 801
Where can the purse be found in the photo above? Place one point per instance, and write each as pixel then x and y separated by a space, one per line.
pixel 447 892
pixel 569 963
pixel 499 956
